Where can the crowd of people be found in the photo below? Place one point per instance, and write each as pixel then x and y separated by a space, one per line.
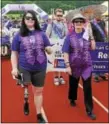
pixel 32 41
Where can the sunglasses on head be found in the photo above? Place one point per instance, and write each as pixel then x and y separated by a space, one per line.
pixel 28 18
pixel 59 15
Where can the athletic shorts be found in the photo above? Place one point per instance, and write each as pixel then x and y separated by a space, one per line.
pixel 37 78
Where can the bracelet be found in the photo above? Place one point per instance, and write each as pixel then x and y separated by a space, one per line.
pixel 67 66
pixel 67 62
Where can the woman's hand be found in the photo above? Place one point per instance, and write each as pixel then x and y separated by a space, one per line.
pixel 68 70
pixel 93 44
pixel 14 73
pixel 48 50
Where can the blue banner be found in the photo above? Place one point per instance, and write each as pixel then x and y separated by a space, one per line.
pixel 59 63
pixel 100 57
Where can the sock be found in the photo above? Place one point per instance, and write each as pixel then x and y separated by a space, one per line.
pixel 56 76
pixel 39 115
pixel 61 77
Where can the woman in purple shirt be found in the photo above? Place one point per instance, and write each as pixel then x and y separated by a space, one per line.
pixel 78 62
pixel 28 57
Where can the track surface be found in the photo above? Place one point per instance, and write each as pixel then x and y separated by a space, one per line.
pixel 56 104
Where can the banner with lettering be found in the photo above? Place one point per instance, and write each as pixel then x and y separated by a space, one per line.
pixel 56 59
pixel 100 57
pixel 24 7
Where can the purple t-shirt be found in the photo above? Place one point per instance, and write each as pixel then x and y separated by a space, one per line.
pixel 79 54
pixel 66 46
pixel 31 50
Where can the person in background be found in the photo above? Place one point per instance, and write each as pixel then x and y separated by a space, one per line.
pixel 57 30
pixel 100 34
pixel 28 57
pixel 106 23
pixel 78 62
pixel 5 35
pixel 44 25
pixel 9 23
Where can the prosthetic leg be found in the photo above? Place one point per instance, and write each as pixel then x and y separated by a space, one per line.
pixel 26 94
pixel 26 103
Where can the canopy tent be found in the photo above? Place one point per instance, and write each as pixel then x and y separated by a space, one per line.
pixel 106 4
pixel 24 7
pixel 88 11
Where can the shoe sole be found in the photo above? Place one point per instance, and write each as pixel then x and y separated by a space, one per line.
pixel 92 118
pixel 56 83
pixel 26 113
pixel 26 110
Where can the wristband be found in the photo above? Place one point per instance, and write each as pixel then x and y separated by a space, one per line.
pixel 67 62
pixel 67 66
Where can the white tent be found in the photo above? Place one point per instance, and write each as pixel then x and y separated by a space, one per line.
pixel 24 7
pixel 106 4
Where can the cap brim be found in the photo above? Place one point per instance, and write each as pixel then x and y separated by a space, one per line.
pixel 78 18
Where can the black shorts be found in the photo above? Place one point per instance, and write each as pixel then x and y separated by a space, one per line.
pixel 37 78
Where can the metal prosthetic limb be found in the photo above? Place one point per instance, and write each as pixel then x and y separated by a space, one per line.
pixel 26 103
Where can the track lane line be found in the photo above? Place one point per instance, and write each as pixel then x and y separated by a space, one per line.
pixel 97 101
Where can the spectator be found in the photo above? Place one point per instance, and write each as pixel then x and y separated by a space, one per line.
pixel 57 30
pixel 100 34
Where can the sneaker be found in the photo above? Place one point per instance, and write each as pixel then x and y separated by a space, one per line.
pixel 62 81
pixel 56 81
pixel 103 77
pixel 97 79
pixel 91 115
pixel 26 108
pixel 72 103
pixel 40 119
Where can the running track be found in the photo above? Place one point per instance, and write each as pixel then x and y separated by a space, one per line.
pixel 56 105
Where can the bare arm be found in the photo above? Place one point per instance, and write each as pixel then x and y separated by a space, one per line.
pixel 106 32
pixel 93 44
pixel 14 63
pixel 66 29
pixel 49 30
pixel 66 59
pixel 91 38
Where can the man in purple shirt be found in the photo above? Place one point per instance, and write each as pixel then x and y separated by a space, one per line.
pixel 78 62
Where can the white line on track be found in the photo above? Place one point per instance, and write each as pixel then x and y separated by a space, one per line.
pixel 97 101
pixel 44 115
pixel 94 98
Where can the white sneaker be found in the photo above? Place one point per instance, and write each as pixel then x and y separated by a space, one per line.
pixel 62 81
pixel 56 81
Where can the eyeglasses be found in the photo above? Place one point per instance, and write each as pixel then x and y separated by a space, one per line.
pixel 79 21
pixel 28 18
pixel 59 15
